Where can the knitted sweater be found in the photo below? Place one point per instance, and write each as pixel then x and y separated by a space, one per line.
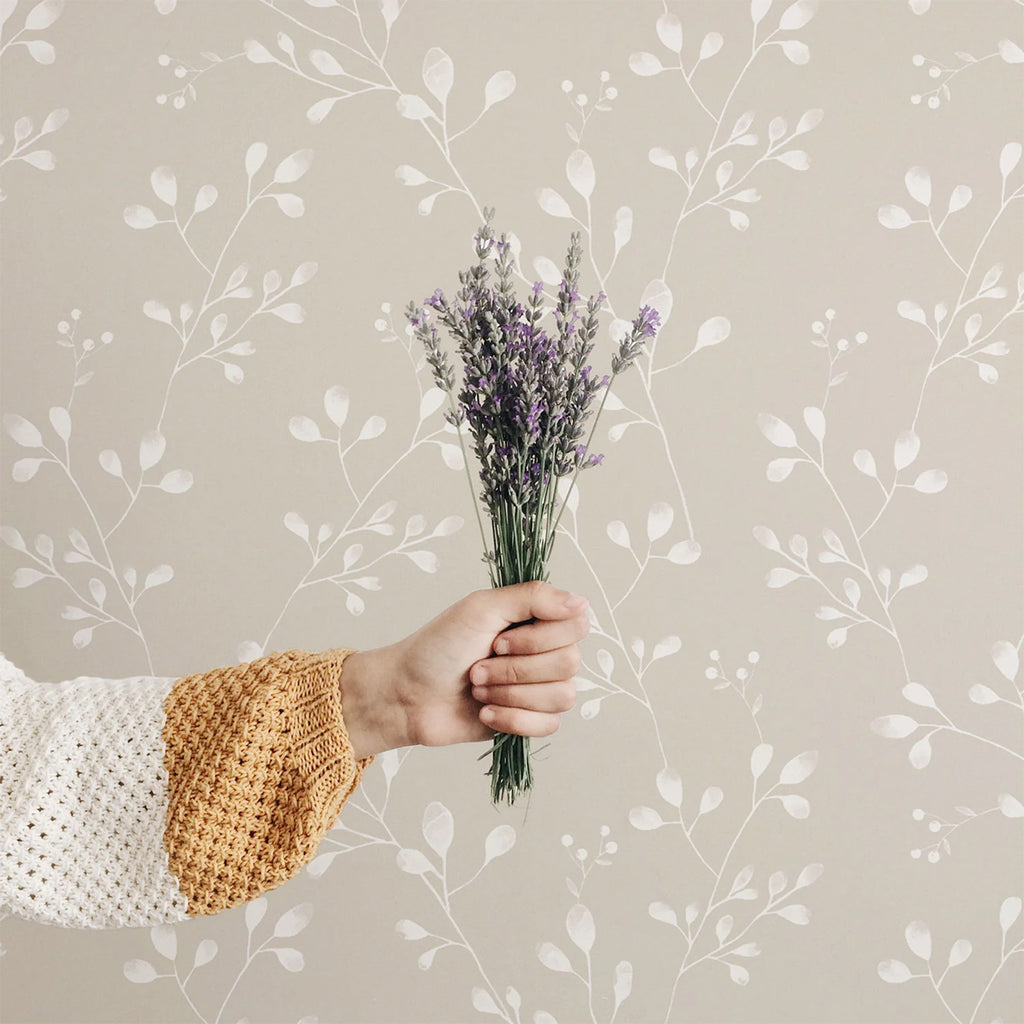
pixel 145 800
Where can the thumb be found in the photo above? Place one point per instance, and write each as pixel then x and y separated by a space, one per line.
pixel 519 602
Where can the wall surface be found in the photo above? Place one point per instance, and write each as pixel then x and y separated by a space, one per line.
pixel 791 787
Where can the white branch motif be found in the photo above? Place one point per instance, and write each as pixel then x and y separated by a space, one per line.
pixel 23 149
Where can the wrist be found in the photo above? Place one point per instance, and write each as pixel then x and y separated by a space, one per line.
pixel 376 716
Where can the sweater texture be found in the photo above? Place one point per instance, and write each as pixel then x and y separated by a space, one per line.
pixel 149 800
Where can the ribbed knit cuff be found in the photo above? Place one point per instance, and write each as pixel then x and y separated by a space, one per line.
pixel 321 745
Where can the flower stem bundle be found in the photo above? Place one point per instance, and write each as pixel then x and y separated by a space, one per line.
pixel 525 396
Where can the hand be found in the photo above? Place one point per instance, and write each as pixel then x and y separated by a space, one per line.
pixel 440 685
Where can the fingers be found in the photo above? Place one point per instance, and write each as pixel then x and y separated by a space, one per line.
pixel 526 694
pixel 543 635
pixel 562 663
pixel 557 696
pixel 519 722
pixel 500 607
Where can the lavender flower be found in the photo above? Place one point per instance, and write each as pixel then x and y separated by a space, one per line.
pixel 526 396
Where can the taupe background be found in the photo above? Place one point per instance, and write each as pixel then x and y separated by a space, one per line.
pixel 816 251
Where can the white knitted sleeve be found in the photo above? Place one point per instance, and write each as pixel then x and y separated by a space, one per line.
pixel 83 801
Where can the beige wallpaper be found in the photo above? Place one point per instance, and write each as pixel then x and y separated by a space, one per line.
pixel 791 787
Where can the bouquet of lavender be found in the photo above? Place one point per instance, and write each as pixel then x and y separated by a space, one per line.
pixel 526 396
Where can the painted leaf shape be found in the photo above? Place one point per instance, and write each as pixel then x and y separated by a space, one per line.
pixel 553 958
pixel 177 481
pixel 151 449
pixel 645 64
pixel 254 913
pixel 905 449
pixel 205 952
pixel 623 226
pixel 326 63
pixel 920 754
pixel 894 217
pixel 799 768
pixel 413 861
pixel 579 923
pixel 662 912
pixel 43 15
pixel 796 806
pixel 959 952
pixel 373 427
pixel 579 169
pixel 60 420
pixel 670 31
pixel 760 759
pixel 499 841
pixel 659 520
pixel 645 818
pixel 139 971
pixel 293 166
pixel 713 331
pixel 1006 659
pixel 290 959
pixel 165 940
pixel 552 203
pixel 796 52
pixel 438 827
pixel 499 87
pixel 484 1002
pixel 255 156
pixel 931 481
pixel 894 727
pixel 919 939
pixel 623 984
pixel 959 198
pixel 670 786
pixel 25 433
pixel 165 185
pixel 618 533
pixel 895 972
pixel 438 73
pixel 666 647
pixel 776 430
pixel 919 185
pixel 1009 911
pixel 1009 157
pixel 336 403
pixel 1010 805
pixel 710 45
pixel 710 799
pixel 814 419
pixel 918 694
pixel 796 15
pixel 795 913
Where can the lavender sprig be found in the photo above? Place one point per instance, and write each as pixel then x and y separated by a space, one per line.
pixel 525 396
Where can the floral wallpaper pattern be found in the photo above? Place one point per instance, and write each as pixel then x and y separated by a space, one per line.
pixel 796 756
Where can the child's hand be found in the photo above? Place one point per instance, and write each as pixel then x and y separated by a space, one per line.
pixel 440 685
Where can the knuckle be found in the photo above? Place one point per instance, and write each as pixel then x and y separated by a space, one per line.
pixel 572 660
pixel 513 674
pixel 567 697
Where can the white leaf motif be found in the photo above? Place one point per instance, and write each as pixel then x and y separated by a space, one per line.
pixel 579 923
pixel 438 73
pixel 579 169
pixel 438 827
